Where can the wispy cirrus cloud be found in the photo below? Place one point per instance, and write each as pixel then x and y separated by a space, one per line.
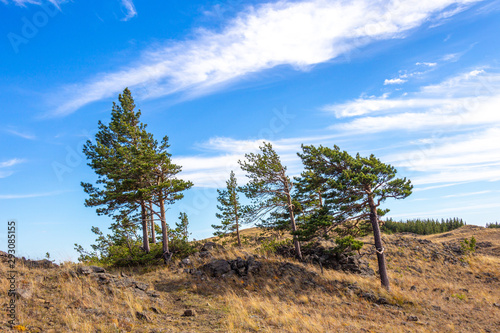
pixel 11 162
pixel 465 158
pixel 29 195
pixel 456 121
pixel 23 3
pixel 470 98
pixel 5 166
pixel 299 34
pixel 24 135
pixel 129 8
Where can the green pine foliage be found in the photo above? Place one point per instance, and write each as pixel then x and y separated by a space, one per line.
pixel 135 180
pixel 493 225
pixel 422 226
pixel 231 212
pixel 269 188
pixel 467 246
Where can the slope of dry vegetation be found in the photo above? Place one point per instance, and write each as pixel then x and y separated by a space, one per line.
pixel 434 289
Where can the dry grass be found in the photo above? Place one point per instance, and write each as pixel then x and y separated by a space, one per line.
pixel 444 297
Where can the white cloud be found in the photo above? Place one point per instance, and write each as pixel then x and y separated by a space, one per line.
pixel 27 196
pixel 461 116
pixel 213 170
pixel 130 9
pixel 11 162
pixel 394 81
pixel 463 158
pixel 7 164
pixel 21 134
pixel 459 195
pixel 428 64
pixel 467 99
pixel 23 3
pixel 299 34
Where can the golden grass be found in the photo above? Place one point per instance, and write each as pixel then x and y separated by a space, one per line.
pixel 445 297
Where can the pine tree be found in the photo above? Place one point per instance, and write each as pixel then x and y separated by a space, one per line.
pixel 269 187
pixel 116 159
pixel 356 186
pixel 134 171
pixel 231 211
pixel 181 227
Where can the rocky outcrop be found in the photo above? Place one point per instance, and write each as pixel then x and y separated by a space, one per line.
pixel 44 263
pixel 238 266
pixel 111 282
pixel 327 258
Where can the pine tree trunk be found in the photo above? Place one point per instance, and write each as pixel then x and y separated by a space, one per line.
pixel 237 226
pixel 294 228
pixel 152 221
pixel 384 278
pixel 164 228
pixel 145 237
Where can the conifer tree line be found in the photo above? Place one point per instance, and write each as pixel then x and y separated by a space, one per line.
pixel 337 193
pixel 493 225
pixel 423 226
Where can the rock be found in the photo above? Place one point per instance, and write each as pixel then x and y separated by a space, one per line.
pixel 205 255
pixel 142 286
pixel 413 288
pixel 152 293
pixel 85 270
pixel 412 318
pixel 155 310
pixel 124 283
pixel 24 293
pixel 142 316
pixel 216 268
pixel 497 305
pixel 189 313
pixel 368 296
pixel 186 262
pixel 209 246
pixel 382 300
pixel 39 263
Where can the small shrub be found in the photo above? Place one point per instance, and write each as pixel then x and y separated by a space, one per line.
pixel 347 245
pixel 468 246
pixel 461 297
pixel 271 246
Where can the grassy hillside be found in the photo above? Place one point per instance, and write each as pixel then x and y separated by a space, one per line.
pixel 434 289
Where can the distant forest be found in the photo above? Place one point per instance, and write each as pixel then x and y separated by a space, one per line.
pixel 422 226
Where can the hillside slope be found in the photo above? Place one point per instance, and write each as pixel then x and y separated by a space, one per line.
pixel 434 289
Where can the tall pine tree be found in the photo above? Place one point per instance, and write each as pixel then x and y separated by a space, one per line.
pixel 230 209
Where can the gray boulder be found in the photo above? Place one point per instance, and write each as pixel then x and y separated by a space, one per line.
pixel 216 267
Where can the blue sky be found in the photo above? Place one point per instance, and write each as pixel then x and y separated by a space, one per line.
pixel 417 83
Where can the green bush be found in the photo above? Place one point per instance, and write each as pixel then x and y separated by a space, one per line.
pixel 271 246
pixel 468 246
pixel 347 245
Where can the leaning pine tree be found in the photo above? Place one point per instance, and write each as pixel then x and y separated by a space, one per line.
pixel 230 209
pixel 269 187
pixel 354 188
